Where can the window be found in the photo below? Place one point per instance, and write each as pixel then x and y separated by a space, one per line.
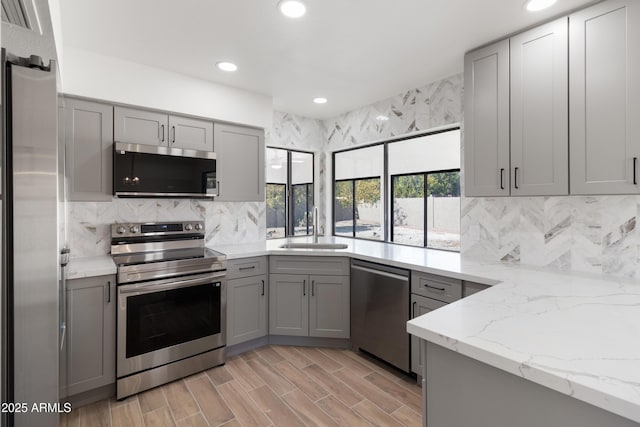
pixel 422 177
pixel 358 205
pixel 289 193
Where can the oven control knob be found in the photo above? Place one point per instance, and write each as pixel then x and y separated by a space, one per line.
pixel 134 229
pixel 121 230
pixel 188 227
pixel 198 227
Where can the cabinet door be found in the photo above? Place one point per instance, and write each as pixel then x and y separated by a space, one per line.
pixel 91 339
pixel 246 309
pixel 329 307
pixel 486 121
pixel 604 70
pixel 140 126
pixel 240 163
pixel 88 149
pixel 288 304
pixel 540 111
pixel 192 134
pixel 419 306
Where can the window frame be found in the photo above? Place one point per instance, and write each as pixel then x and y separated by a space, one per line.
pixel 387 184
pixel 289 228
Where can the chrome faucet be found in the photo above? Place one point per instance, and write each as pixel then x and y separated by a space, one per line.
pixel 315 223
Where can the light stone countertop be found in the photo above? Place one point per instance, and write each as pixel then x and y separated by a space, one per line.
pixel 578 334
pixel 80 268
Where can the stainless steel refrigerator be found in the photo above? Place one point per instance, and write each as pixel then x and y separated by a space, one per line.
pixel 30 248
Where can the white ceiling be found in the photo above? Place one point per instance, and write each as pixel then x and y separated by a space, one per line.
pixel 353 52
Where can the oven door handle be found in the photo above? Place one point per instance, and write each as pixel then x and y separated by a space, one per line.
pixel 147 288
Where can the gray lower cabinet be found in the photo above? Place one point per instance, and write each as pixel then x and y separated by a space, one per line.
pixel 246 308
pixel 419 306
pixel 316 304
pixel 240 163
pixel 486 121
pixel 604 73
pixel 88 136
pixel 540 111
pixel 91 333
pixel 138 126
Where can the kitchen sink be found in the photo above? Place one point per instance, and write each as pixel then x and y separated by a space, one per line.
pixel 314 246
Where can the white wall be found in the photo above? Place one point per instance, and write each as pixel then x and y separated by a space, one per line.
pixel 98 76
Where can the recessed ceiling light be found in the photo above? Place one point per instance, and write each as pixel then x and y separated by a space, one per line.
pixel 382 118
pixel 536 5
pixel 227 66
pixel 320 100
pixel 292 8
pixel 276 166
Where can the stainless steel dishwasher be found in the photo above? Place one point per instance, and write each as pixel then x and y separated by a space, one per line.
pixel 380 311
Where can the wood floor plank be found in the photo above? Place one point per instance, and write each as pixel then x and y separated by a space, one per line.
pixel 308 412
pixel 72 419
pixel 127 415
pixel 243 407
pixel 232 423
pixel 279 384
pixel 242 373
pixel 277 411
pixel 180 400
pixel 248 355
pixel 375 415
pixel 340 413
pixel 219 375
pixel 151 400
pixel 215 410
pixel 320 359
pixel 268 354
pixel 96 414
pixel 292 355
pixel 195 420
pixel 375 365
pixel 410 384
pixel 413 401
pixel 336 387
pixel 160 417
pixel 407 417
pixel 353 365
pixel 301 380
pixel 369 390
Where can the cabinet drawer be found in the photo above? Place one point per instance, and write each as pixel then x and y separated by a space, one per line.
pixel 246 267
pixel 335 266
pixel 470 288
pixel 437 287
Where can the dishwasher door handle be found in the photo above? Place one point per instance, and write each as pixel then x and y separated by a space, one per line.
pixel 381 273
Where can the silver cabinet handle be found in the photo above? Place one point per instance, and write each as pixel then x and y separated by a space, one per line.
pixel 109 292
pixel 263 288
pixel 173 129
pixel 502 178
pixel 304 287
pixel 218 188
pixel 635 176
pixel 247 268
pixel 413 309
pixel 313 285
pixel 435 288
pixel 515 177
pixel 162 126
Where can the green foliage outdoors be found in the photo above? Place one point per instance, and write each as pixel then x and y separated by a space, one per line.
pixel 276 195
pixel 444 184
pixel 367 191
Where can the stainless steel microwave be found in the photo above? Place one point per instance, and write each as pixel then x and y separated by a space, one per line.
pixel 156 171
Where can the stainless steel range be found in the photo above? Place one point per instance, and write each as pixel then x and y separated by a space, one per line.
pixel 171 303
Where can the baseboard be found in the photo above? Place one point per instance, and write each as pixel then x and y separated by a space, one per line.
pixel 234 350
pixel 91 396
pixel 310 341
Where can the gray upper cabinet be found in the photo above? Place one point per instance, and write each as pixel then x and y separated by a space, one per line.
pixel 329 307
pixel 604 75
pixel 140 126
pixel 192 134
pixel 288 305
pixel 91 333
pixel 539 111
pixel 158 128
pixel 486 121
pixel 240 163
pixel 88 136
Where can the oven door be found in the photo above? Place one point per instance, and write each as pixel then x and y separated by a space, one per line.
pixel 163 321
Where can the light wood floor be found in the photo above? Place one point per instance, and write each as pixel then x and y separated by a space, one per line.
pixel 275 385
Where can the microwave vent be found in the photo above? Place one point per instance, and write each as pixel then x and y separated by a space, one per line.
pixel 14 12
